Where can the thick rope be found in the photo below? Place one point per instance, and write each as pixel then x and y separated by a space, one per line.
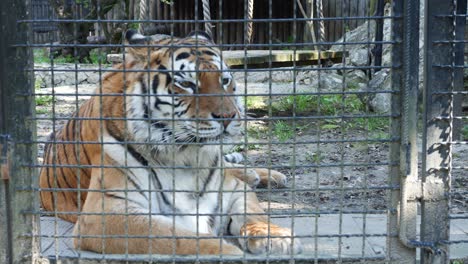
pixel 143 14
pixel 207 16
pixel 250 8
pixel 321 24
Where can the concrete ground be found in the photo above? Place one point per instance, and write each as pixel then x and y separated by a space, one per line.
pixel 360 236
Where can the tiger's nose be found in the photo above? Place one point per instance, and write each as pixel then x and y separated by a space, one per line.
pixel 227 117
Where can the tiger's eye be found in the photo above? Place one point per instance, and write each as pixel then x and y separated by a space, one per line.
pixel 226 81
pixel 186 84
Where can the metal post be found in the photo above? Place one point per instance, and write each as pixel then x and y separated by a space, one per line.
pixel 436 163
pixel 16 243
pixel 404 103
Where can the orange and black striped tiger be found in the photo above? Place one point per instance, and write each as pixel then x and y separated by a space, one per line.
pixel 138 166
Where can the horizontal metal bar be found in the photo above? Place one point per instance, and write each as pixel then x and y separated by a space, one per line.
pixel 450 93
pixel 221 46
pixel 453 242
pixel 451 15
pixel 273 118
pixel 321 188
pixel 453 143
pixel 293 212
pixel 462 216
pixel 318 94
pixel 452 168
pixel 262 258
pixel 450 117
pixel 201 238
pixel 456 41
pixel 320 165
pixel 221 21
pixel 450 66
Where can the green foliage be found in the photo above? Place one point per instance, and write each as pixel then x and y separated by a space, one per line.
pixel 314 157
pixel 85 3
pixel 38 83
pixel 44 100
pixel 97 56
pixel 334 104
pixel 134 25
pixel 283 131
pixel 255 102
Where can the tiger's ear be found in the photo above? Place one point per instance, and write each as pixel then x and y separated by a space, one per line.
pixel 200 35
pixel 132 37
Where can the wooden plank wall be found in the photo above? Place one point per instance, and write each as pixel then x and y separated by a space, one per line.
pixel 233 32
pixel 284 32
pixel 344 8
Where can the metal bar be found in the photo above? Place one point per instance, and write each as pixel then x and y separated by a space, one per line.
pixel 14 122
pixel 458 72
pixel 398 248
pixel 410 187
pixel 436 182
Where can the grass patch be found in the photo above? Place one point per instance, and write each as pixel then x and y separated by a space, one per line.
pixel 314 157
pixel 42 111
pixel 283 131
pixel 44 100
pixel 334 104
pixel 255 103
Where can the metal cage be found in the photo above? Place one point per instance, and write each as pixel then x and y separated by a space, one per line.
pixel 349 119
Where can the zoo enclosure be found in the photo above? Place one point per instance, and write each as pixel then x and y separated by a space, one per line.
pixel 437 187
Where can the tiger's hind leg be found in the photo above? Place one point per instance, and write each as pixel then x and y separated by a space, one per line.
pixel 124 232
pixel 115 221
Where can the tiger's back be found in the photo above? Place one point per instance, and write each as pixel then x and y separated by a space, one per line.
pixel 68 155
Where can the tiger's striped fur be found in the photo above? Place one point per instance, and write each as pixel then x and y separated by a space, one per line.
pixel 142 156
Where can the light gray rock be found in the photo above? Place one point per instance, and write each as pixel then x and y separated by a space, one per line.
pixel 356 80
pixel 380 102
pixel 359 57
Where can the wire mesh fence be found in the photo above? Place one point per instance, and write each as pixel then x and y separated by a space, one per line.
pixel 179 148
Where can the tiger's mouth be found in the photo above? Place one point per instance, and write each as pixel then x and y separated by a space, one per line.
pixel 224 137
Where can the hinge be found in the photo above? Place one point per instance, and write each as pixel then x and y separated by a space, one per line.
pixel 5 152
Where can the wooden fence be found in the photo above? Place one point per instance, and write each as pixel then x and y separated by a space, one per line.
pixel 233 32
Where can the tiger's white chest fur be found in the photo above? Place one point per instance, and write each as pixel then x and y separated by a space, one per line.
pixel 188 196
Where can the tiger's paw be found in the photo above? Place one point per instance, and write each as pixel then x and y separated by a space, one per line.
pixel 273 239
pixel 275 178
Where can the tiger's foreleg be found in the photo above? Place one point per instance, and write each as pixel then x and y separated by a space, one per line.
pixel 258 177
pixel 249 221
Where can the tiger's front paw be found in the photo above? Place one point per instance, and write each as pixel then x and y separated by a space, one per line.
pixel 275 178
pixel 273 239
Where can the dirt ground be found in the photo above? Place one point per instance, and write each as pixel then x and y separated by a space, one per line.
pixel 342 173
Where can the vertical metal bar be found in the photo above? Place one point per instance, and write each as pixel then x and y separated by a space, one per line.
pixel 404 81
pixel 436 156
pixel 17 110
pixel 458 72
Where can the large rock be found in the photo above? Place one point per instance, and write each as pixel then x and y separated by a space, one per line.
pixel 380 102
pixel 323 81
pixel 358 53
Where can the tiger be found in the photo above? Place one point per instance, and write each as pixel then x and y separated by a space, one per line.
pixel 138 168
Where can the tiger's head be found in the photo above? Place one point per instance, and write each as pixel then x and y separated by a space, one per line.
pixel 188 95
